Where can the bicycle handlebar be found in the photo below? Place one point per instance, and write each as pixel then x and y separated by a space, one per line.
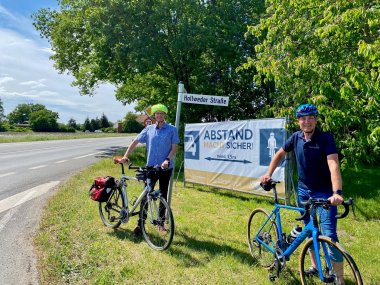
pixel 271 184
pixel 319 202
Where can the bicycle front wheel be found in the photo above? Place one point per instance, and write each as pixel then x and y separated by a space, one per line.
pixel 333 273
pixel 157 223
pixel 110 211
pixel 260 227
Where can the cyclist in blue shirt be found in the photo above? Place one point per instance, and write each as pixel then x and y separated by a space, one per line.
pixel 318 171
pixel 161 141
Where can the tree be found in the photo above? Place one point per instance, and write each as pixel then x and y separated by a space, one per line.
pixel 130 125
pixel 95 124
pixel 327 53
pixel 2 117
pixel 43 121
pixel 20 115
pixel 104 123
pixel 87 125
pixel 146 47
pixel 72 124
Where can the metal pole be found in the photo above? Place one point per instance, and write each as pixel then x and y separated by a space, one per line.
pixel 181 90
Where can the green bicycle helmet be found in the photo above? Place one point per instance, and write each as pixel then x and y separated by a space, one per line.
pixel 159 108
pixel 306 110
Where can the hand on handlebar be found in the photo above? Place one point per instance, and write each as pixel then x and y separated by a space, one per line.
pixel 119 159
pixel 165 164
pixel 336 199
pixel 312 202
pixel 265 179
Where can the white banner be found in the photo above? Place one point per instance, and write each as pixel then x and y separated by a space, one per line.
pixel 233 155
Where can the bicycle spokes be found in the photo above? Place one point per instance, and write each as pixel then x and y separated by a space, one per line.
pixel 110 211
pixel 157 223
pixel 342 271
pixel 262 237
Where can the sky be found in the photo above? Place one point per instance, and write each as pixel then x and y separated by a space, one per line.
pixel 27 75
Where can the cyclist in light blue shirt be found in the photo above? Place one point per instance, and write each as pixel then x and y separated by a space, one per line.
pixel 161 141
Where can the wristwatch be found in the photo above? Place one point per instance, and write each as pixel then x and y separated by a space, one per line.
pixel 339 192
pixel 167 159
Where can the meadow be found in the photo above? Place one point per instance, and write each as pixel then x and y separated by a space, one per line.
pixel 209 245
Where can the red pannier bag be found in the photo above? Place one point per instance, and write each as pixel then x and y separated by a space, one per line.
pixel 100 190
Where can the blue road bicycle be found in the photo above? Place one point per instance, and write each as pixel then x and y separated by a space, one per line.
pixel 272 248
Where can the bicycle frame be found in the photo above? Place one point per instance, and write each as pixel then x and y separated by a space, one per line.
pixel 144 193
pixel 311 229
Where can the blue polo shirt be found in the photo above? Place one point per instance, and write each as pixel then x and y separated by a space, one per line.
pixel 158 142
pixel 311 157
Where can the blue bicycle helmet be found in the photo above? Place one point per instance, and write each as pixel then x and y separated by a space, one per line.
pixel 306 110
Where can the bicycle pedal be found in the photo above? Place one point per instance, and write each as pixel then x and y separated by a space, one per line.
pixel 272 278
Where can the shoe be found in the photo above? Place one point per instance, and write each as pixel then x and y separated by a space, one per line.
pixel 137 231
pixel 311 271
pixel 162 231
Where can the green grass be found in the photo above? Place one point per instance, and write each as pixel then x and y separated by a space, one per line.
pixel 209 245
pixel 10 137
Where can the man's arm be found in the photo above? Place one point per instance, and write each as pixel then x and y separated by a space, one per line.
pixel 129 150
pixel 165 163
pixel 336 178
pixel 280 154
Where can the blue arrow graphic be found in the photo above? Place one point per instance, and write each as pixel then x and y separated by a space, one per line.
pixel 225 159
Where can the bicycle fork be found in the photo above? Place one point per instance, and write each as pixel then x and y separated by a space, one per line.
pixel 331 277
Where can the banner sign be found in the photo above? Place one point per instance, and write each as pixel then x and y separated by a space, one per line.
pixel 233 155
pixel 205 99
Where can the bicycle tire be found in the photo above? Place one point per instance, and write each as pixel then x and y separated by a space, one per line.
pixel 110 210
pixel 158 232
pixel 350 274
pixel 256 220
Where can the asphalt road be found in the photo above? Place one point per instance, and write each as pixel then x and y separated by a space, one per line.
pixel 29 173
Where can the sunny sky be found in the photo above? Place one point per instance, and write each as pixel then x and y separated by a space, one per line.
pixel 27 74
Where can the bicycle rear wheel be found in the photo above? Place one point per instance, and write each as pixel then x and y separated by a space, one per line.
pixel 267 234
pixel 158 230
pixel 110 211
pixel 348 273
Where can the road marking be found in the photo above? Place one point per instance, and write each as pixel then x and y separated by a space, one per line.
pixel 37 167
pixel 91 154
pixel 26 195
pixel 7 174
pixel 61 161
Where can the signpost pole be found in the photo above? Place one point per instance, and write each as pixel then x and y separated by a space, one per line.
pixel 181 90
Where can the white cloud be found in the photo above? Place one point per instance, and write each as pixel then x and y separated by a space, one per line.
pixel 27 75
pixel 4 79
pixel 34 84
pixel 4 12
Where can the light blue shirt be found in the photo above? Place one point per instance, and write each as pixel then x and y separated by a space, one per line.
pixel 158 142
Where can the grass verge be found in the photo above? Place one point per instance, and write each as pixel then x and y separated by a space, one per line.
pixel 9 137
pixel 209 244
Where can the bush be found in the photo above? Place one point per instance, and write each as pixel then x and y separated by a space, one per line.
pixel 66 128
pixel 132 127
pixel 109 130
pixel 2 127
